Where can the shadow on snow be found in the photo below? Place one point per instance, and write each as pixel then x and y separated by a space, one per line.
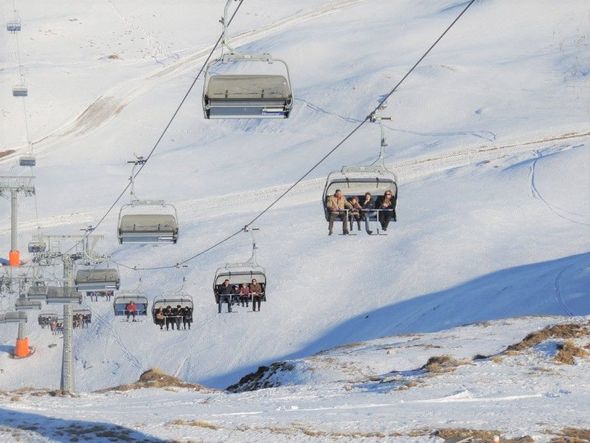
pixel 62 430
pixel 556 287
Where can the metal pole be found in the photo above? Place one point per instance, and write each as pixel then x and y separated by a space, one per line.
pixel 67 366
pixel 13 220
pixel 21 330
pixel 68 275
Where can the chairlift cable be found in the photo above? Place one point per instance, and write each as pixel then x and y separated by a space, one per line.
pixel 24 108
pixel 318 163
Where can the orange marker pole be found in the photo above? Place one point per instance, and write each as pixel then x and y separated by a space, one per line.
pixel 22 348
pixel 14 258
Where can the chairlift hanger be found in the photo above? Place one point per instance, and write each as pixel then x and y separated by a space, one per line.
pixel 241 273
pixel 124 298
pixel 357 180
pixel 260 96
pixel 154 227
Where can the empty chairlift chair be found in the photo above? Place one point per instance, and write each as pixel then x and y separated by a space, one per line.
pixel 97 279
pixel 238 95
pixel 148 221
pixel 24 304
pixel 124 299
pixel 27 160
pixel 37 291
pixel 247 96
pixel 13 317
pixel 20 91
pixel 61 295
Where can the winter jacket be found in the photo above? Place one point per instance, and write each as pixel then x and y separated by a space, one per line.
pixel 386 204
pixel 256 288
pixel 335 204
pixel 226 290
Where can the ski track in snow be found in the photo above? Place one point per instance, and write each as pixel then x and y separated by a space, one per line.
pixel 537 195
pixel 406 170
pixel 106 323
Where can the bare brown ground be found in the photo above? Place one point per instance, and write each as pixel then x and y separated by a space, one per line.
pixel 439 364
pixel 484 436
pixel 155 378
pixel 572 435
pixel 568 351
pixel 6 152
pixel 564 331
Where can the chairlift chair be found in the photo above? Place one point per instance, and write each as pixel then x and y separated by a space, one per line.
pixel 158 225
pixel 121 301
pixel 97 279
pixel 24 304
pixel 84 313
pixel 45 318
pixel 239 274
pixel 173 300
pixel 20 91
pixel 37 291
pixel 247 96
pixel 27 160
pixel 259 95
pixel 13 26
pixel 13 317
pixel 355 181
pixel 61 295
pixel 37 246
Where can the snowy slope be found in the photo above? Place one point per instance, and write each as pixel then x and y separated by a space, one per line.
pixel 494 211
pixel 368 391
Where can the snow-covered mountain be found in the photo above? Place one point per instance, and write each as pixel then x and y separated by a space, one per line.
pixel 489 138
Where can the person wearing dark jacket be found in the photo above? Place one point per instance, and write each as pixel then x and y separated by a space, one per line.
pixel 367 206
pixel 226 292
pixel 169 320
pixel 178 316
pixel 187 317
pixel 160 318
pixel 387 209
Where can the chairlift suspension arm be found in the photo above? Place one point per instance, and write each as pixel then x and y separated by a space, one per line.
pixel 139 161
pixel 225 21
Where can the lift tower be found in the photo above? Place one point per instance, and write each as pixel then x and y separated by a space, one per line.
pixel 13 186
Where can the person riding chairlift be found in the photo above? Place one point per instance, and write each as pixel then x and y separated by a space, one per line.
pixel 257 294
pixel 226 291
pixel 131 310
pixel 387 207
pixel 337 205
